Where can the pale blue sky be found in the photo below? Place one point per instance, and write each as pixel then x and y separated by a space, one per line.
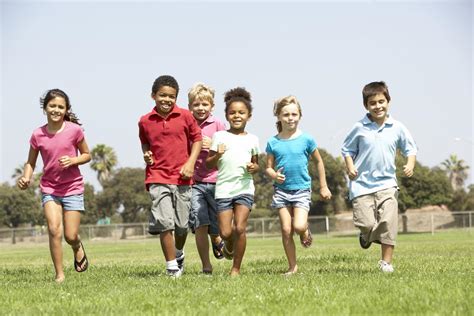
pixel 106 55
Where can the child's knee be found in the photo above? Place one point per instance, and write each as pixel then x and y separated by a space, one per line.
pixel 240 229
pixel 300 228
pixel 55 232
pixel 226 233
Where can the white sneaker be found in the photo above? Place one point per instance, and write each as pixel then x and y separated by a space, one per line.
pixel 174 273
pixel 385 267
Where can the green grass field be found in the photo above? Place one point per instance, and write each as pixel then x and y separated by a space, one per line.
pixel 434 275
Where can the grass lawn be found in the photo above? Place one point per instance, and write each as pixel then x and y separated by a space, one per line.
pixel 433 275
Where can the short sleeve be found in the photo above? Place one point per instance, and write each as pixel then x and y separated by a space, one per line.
pixel 269 149
pixel 256 147
pixel 406 142
pixel 195 134
pixel 350 145
pixel 79 134
pixel 215 142
pixel 33 141
pixel 141 133
pixel 312 146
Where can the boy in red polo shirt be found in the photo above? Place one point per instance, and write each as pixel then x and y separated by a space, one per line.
pixel 171 141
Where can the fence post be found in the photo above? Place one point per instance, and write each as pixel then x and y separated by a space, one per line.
pixel 470 220
pixel 263 228
pixel 327 226
pixel 432 224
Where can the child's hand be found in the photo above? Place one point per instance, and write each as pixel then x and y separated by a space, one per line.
pixel 280 177
pixel 148 157
pixel 325 193
pixel 252 167
pixel 352 173
pixel 187 171
pixel 206 142
pixel 23 183
pixel 221 148
pixel 408 170
pixel 66 161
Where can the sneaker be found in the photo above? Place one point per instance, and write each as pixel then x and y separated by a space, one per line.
pixel 229 255
pixel 385 267
pixel 218 250
pixel 306 242
pixel 364 243
pixel 174 273
pixel 180 261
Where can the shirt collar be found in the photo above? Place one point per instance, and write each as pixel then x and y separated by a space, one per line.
pixel 366 120
pixel 174 112
pixel 209 120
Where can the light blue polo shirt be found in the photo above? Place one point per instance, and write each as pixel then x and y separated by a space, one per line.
pixel 373 149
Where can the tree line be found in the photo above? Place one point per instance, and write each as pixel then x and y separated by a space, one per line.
pixel 123 197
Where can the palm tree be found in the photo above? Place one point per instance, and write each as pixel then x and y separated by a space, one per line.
pixel 104 160
pixel 456 170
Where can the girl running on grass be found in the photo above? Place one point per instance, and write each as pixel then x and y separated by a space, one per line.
pixel 61 185
pixel 288 153
pixel 235 153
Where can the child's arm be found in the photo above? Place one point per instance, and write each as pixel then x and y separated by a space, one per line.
pixel 147 154
pixel 410 165
pixel 350 168
pixel 324 190
pixel 25 179
pixel 84 157
pixel 214 156
pixel 252 166
pixel 276 176
pixel 187 170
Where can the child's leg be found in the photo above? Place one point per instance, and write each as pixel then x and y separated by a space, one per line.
pixel 168 245
pixel 53 213
pixel 202 244
pixel 300 222
pixel 364 211
pixel 241 215
pixel 287 237
pixel 225 226
pixel 72 220
pixel 387 253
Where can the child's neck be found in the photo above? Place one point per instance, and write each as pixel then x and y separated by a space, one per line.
pixel 289 134
pixel 237 131
pixel 55 127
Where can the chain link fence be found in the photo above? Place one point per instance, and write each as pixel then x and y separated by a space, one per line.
pixel 256 228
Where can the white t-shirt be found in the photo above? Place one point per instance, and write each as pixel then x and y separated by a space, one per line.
pixel 232 177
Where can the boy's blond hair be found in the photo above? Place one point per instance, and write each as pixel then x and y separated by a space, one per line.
pixel 281 103
pixel 200 91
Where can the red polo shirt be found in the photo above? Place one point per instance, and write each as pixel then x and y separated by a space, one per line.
pixel 170 140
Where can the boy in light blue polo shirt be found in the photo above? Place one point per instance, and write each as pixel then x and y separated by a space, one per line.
pixel 369 152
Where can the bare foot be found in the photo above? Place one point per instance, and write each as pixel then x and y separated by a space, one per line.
pixel 234 273
pixel 59 279
pixel 291 271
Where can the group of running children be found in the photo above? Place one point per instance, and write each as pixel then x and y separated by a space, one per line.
pixel 199 174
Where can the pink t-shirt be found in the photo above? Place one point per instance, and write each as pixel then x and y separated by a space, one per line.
pixel 56 180
pixel 208 128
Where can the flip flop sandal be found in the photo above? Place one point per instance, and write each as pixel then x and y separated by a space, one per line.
pixel 78 264
pixel 217 250
pixel 306 242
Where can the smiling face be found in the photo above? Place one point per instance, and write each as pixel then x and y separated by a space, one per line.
pixel 165 98
pixel 289 117
pixel 237 115
pixel 201 108
pixel 377 106
pixel 56 110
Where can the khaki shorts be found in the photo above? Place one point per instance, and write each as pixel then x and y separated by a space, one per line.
pixel 376 215
pixel 170 208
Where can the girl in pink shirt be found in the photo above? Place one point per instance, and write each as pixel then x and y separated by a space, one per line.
pixel 61 185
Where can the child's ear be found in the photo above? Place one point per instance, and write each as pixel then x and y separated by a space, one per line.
pixel 153 96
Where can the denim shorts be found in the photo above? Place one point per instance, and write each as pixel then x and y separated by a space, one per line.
pixel 228 203
pixel 69 203
pixel 291 198
pixel 203 207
